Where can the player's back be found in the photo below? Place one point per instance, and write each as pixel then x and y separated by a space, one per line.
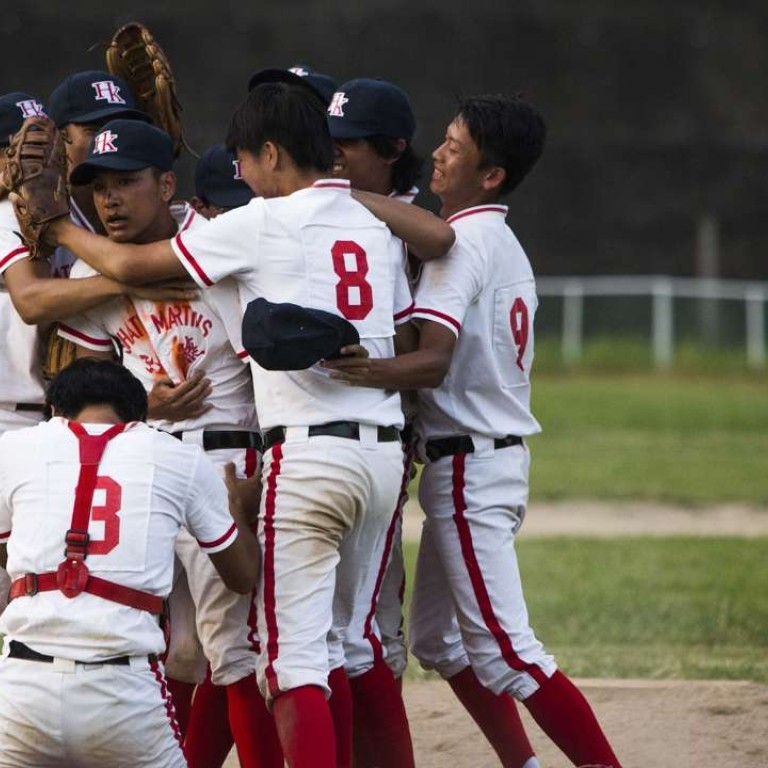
pixel 148 486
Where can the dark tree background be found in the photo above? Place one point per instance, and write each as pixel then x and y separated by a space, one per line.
pixel 658 111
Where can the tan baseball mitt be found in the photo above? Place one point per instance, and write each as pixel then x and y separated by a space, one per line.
pixel 58 353
pixel 136 56
pixel 36 172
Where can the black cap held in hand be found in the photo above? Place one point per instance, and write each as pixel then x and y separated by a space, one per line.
pixel 287 337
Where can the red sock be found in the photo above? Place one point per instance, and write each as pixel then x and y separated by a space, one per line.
pixel 341 712
pixel 253 726
pixel 379 714
pixel 564 715
pixel 305 727
pixel 209 739
pixel 497 717
pixel 181 695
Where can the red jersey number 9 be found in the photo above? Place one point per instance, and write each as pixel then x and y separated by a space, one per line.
pixel 354 295
pixel 518 323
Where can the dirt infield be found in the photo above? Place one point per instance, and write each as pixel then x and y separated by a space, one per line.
pixel 652 724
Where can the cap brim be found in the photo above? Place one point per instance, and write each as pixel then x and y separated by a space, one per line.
pixel 340 128
pixel 85 172
pixel 112 112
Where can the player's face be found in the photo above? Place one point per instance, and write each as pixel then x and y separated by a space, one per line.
pixel 78 137
pixel 133 205
pixel 358 161
pixel 456 174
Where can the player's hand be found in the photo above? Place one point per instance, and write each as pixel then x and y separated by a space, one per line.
pixel 244 495
pixel 177 402
pixel 165 290
pixel 353 367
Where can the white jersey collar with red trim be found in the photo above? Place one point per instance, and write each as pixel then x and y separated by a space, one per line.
pixel 93 428
pixel 183 214
pixel 338 184
pixel 502 209
pixel 78 217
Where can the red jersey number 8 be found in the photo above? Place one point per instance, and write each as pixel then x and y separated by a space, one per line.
pixel 108 514
pixel 518 323
pixel 354 295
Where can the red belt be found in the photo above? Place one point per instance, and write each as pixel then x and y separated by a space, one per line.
pixel 32 583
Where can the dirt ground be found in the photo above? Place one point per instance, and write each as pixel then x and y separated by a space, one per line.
pixel 652 724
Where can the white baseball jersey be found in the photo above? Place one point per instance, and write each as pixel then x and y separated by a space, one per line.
pixel 149 485
pixel 405 197
pixel 177 339
pixel 317 248
pixel 63 260
pixel 484 292
pixel 20 354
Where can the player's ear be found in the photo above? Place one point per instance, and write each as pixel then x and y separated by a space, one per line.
pixel 493 178
pixel 271 153
pixel 167 183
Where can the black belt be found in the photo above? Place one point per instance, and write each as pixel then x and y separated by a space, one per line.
pixel 347 429
pixel 20 651
pixel 213 441
pixel 450 446
pixel 36 407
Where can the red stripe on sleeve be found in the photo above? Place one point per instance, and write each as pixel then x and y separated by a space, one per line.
pixel 407 311
pixel 448 319
pixel 220 540
pixel 106 343
pixel 12 255
pixel 192 261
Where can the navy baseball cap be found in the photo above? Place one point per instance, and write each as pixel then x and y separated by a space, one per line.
pixel 218 180
pixel 322 85
pixel 87 97
pixel 125 145
pixel 15 108
pixel 367 107
pixel 287 337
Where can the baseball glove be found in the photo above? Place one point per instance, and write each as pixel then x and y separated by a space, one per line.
pixel 36 171
pixel 136 56
pixel 58 353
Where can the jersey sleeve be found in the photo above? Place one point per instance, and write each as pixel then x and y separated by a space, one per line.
pixel 85 331
pixel 12 250
pixel 226 245
pixel 449 285
pixel 403 298
pixel 207 510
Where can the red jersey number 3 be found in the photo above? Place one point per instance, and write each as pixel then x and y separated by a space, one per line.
pixel 354 295
pixel 518 323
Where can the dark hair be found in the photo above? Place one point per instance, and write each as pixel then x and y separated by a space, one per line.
pixel 508 132
pixel 287 115
pixel 89 381
pixel 408 166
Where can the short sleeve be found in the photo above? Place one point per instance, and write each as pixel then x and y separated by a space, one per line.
pixel 207 512
pixel 449 285
pixel 84 331
pixel 226 245
pixel 12 250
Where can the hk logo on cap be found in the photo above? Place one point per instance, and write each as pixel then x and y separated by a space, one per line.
pixel 106 90
pixel 238 172
pixel 335 108
pixel 30 108
pixel 105 142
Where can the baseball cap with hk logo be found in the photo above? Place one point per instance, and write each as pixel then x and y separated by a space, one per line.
pixel 125 145
pixel 367 107
pixel 321 85
pixel 15 108
pixel 88 97
pixel 218 179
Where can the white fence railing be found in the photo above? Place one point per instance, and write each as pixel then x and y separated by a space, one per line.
pixel 662 291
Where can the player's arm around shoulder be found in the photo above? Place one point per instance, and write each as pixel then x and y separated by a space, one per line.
pixel 427 236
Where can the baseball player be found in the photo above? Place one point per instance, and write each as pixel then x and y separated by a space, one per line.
pixel 129 167
pixel 80 682
pixel 372 124
pixel 30 299
pixel 472 368
pixel 332 460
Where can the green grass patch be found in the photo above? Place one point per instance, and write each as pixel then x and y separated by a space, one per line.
pixel 687 608
pixel 678 438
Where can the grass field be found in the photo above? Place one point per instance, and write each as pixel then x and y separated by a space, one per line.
pixel 648 608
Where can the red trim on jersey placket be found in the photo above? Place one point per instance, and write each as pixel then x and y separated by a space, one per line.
pixel 404 313
pixel 251 467
pixel 448 319
pixel 368 633
pixel 4 536
pixel 165 694
pixel 242 354
pixel 477 581
pixel 270 607
pixel 12 255
pixel 192 261
pixel 84 337
pixel 220 540
pixel 480 209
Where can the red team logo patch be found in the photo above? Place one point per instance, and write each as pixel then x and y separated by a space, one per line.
pixel 105 142
pixel 106 90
